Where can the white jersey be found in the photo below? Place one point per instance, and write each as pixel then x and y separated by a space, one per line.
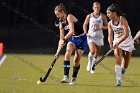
pixel 92 26
pixel 127 44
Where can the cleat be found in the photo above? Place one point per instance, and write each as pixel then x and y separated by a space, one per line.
pixel 92 71
pixel 73 81
pixel 65 79
pixel 123 70
pixel 118 83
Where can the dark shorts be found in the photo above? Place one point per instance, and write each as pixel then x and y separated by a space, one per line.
pixel 79 41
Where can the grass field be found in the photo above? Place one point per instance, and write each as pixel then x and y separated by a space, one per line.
pixel 19 73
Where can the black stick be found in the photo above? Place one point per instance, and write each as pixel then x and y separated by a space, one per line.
pixel 105 55
pixel 49 70
pixel 51 66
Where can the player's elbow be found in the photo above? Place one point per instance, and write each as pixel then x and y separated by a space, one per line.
pixel 71 32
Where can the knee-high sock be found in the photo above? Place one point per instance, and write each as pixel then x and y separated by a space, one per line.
pixel 93 62
pixel 118 71
pixel 66 68
pixel 90 57
pixel 75 71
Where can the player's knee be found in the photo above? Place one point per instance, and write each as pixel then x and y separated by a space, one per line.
pixel 77 59
pixel 76 62
pixel 92 52
pixel 116 54
pixel 68 53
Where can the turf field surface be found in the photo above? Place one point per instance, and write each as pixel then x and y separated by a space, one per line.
pixel 19 73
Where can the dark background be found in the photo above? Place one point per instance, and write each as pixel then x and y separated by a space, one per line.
pixel 27 26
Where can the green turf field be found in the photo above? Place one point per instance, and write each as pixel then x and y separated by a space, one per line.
pixel 19 73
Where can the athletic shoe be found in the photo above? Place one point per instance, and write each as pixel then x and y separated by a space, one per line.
pixel 92 71
pixel 73 81
pixel 89 66
pixel 123 70
pixel 118 83
pixel 65 79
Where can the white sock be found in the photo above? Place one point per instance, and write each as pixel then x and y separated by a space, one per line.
pixel 122 64
pixel 90 57
pixel 93 62
pixel 118 71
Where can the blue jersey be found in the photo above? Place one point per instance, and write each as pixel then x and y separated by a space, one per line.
pixel 78 30
pixel 79 37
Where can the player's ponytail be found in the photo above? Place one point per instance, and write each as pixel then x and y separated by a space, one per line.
pixel 57 23
pixel 115 8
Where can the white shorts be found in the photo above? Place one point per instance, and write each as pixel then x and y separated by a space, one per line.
pixel 126 45
pixel 97 41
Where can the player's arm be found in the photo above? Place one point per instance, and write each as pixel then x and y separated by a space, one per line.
pixel 61 42
pixel 137 37
pixel 105 22
pixel 126 30
pixel 110 35
pixel 61 31
pixel 70 19
pixel 86 22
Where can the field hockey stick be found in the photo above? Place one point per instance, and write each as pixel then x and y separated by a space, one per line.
pixel 105 55
pixel 51 66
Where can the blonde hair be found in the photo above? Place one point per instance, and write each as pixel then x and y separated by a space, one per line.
pixel 60 8
pixel 96 3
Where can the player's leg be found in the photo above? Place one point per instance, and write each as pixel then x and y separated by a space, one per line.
pixel 97 51
pixel 70 48
pixel 76 65
pixel 126 60
pixel 90 55
pixel 118 68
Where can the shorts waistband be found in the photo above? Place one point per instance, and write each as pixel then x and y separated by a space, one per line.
pixel 80 35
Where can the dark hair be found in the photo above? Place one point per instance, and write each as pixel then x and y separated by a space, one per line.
pixel 60 8
pixel 115 8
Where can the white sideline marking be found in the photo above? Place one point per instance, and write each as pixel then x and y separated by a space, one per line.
pixel 2 60
pixel 22 79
